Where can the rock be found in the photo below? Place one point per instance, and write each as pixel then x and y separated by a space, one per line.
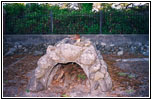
pixel 25 50
pixel 19 46
pixel 10 52
pixel 103 70
pixel 108 82
pixel 95 68
pixel 70 52
pixel 17 43
pixel 98 75
pixel 39 87
pixel 111 45
pixel 96 85
pixel 91 76
pixel 88 57
pixel 120 53
pixel 66 52
pixel 103 85
pixel 103 63
pixel 103 44
pixel 37 53
pixel 146 53
pixel 52 52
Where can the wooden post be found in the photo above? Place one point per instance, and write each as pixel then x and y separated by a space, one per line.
pixel 100 22
pixel 51 15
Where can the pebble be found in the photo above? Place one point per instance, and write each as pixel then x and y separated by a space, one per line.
pixel 138 48
pixel 111 45
pixel 25 50
pixel 19 46
pixel 103 44
pixel 10 52
pixel 119 53
pixel 36 53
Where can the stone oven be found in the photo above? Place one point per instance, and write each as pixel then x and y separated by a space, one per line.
pixel 83 53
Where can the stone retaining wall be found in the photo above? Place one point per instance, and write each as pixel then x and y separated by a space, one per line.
pixel 108 44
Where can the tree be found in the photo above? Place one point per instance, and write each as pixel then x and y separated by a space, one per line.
pixel 85 7
pixel 106 6
pixel 14 8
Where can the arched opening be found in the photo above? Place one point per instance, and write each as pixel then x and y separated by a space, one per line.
pixel 69 78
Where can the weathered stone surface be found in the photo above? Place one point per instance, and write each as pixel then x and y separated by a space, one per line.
pixel 98 75
pixel 83 53
pixel 95 68
pixel 120 53
pixel 108 81
pixel 70 52
pixel 88 57
pixel 103 70
pixel 103 85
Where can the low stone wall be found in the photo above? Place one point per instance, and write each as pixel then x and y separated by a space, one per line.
pixel 107 44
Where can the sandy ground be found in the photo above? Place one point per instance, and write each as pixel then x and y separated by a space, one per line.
pixel 130 79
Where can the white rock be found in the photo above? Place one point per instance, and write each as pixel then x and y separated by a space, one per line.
pixel 70 52
pixel 11 51
pixel 108 82
pixel 103 70
pixel 111 45
pixel 119 53
pixel 19 46
pixel 103 85
pixel 98 75
pixel 87 57
pixel 103 44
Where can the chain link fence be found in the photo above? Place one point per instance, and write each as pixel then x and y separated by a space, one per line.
pixel 95 23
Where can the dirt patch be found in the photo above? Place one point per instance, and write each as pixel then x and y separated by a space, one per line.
pixel 69 77
pixel 15 78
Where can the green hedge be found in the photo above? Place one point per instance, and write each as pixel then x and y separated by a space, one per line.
pixel 35 19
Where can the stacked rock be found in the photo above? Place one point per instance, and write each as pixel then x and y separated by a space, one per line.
pixel 84 53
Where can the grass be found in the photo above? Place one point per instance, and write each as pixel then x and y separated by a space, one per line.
pixel 131 76
pixel 122 74
pixel 81 76
pixel 64 95
pixel 27 91
pixel 130 91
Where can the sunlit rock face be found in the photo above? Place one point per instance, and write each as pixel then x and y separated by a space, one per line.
pixel 82 52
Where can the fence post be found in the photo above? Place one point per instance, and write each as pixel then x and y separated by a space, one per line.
pixel 51 15
pixel 4 21
pixel 100 22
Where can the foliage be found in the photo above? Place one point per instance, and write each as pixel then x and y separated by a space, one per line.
pixel 131 76
pixel 122 74
pixel 86 7
pixel 35 18
pixel 15 9
pixel 80 76
pixel 27 90
pixel 130 91
pixel 64 95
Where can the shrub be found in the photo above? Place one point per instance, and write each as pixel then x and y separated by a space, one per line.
pixel 34 18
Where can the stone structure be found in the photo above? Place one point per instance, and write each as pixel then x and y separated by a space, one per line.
pixel 81 52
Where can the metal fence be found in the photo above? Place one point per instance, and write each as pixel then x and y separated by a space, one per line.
pixel 125 23
pixel 97 23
